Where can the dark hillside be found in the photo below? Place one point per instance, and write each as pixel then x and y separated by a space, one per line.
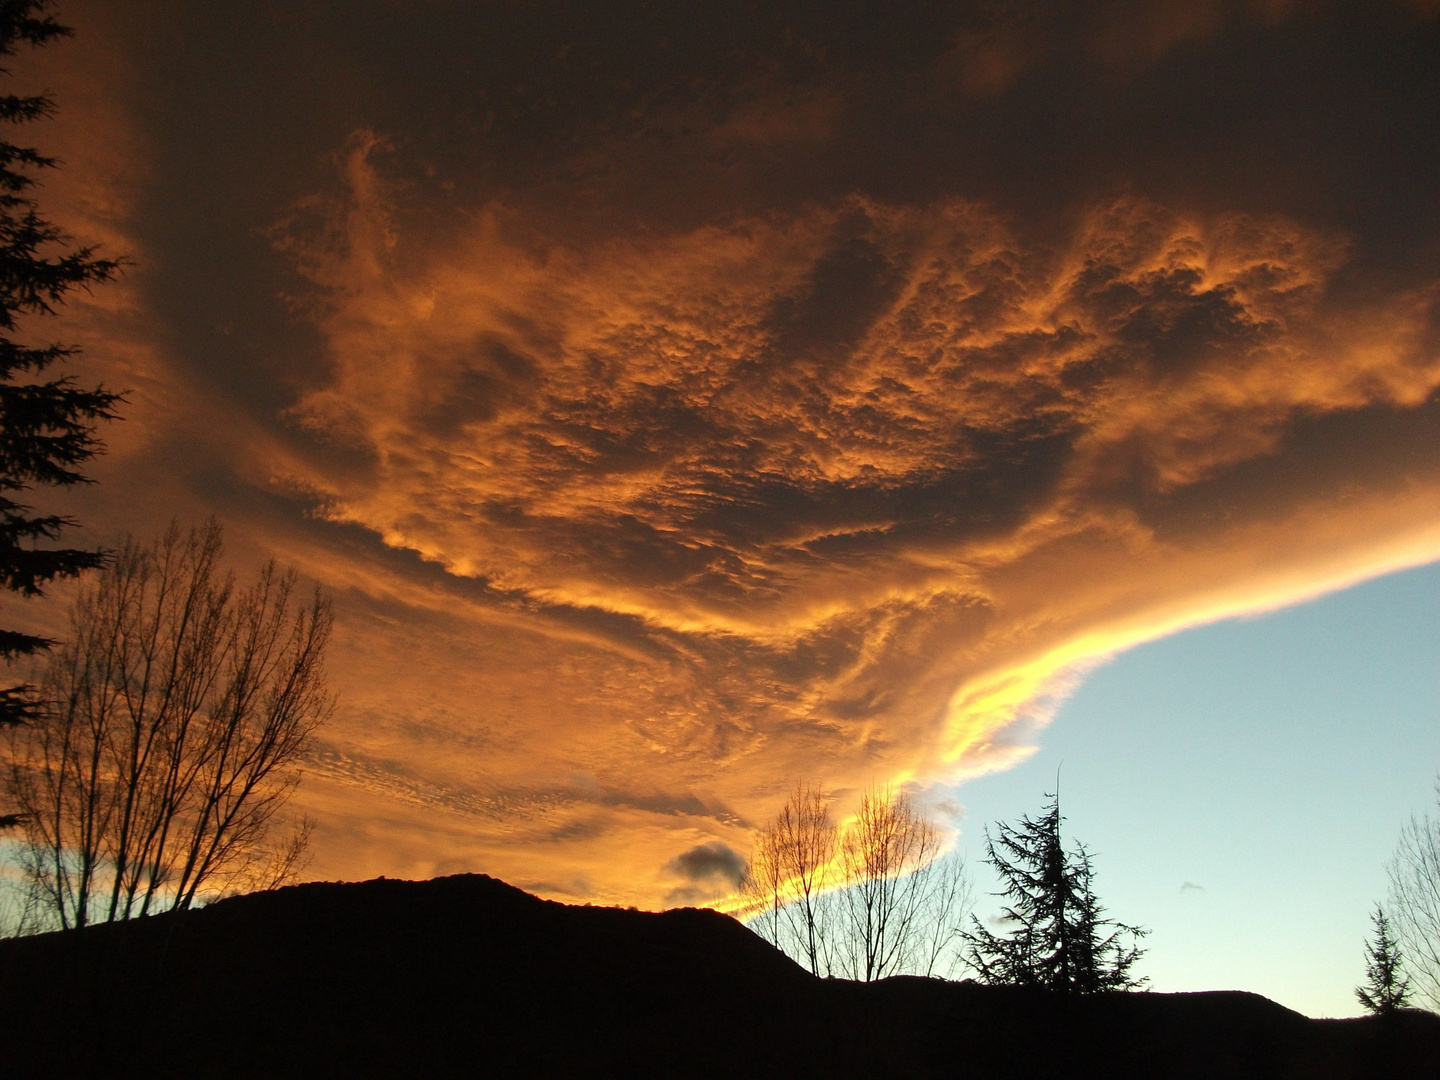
pixel 466 976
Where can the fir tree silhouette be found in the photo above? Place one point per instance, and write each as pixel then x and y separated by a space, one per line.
pixel 1060 939
pixel 47 425
pixel 1385 989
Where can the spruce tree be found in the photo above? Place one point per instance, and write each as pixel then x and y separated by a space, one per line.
pixel 1385 989
pixel 47 424
pixel 1059 938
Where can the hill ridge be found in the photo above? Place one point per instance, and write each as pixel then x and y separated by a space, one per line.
pixel 467 975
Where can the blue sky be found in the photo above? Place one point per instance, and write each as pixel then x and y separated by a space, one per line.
pixel 1269 761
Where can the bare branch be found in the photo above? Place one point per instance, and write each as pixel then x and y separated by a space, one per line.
pixel 173 725
pixel 1414 904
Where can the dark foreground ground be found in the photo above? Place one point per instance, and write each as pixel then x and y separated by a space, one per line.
pixel 466 976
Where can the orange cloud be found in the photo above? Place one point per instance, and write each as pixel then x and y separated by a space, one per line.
pixel 828 465
pixel 842 493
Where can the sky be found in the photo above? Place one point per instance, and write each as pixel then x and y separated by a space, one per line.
pixel 683 401
pixel 1243 785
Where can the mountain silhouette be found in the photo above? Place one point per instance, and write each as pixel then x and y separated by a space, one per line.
pixel 469 977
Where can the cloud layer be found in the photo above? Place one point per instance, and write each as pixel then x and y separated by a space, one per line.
pixel 680 411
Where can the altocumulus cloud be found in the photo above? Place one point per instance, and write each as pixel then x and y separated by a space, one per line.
pixel 685 406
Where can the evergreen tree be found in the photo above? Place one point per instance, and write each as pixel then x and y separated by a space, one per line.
pixel 47 425
pixel 1102 960
pixel 1059 938
pixel 1385 989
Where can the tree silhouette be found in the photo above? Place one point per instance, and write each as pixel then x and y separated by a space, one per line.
pixel 887 854
pixel 171 730
pixel 1414 901
pixel 1385 989
pixel 1059 937
pixel 47 426
pixel 871 900
pixel 789 873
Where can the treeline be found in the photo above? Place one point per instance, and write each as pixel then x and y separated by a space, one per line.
pixel 878 897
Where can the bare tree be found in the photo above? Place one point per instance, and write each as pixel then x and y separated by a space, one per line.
pixel 806 837
pixel 886 854
pixel 790 873
pixel 871 902
pixel 764 889
pixel 949 894
pixel 172 725
pixel 1414 904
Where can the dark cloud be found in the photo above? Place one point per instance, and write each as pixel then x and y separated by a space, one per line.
pixel 708 864
pixel 611 118
pixel 682 402
pixel 847 288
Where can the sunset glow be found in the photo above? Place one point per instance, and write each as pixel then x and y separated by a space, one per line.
pixel 677 409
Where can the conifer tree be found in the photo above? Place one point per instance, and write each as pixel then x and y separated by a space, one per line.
pixel 47 424
pixel 1385 989
pixel 1059 938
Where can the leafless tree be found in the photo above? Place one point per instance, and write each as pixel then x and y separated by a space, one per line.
pixel 790 873
pixel 871 902
pixel 885 854
pixel 806 837
pixel 764 889
pixel 949 894
pixel 173 722
pixel 1415 901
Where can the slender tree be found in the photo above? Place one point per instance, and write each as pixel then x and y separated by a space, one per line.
pixel 1059 938
pixel 948 893
pixel 171 729
pixel 764 889
pixel 1414 902
pixel 805 835
pixel 885 853
pixel 1386 988
pixel 789 874
pixel 47 425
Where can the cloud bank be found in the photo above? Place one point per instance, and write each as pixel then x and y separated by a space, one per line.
pixel 680 409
